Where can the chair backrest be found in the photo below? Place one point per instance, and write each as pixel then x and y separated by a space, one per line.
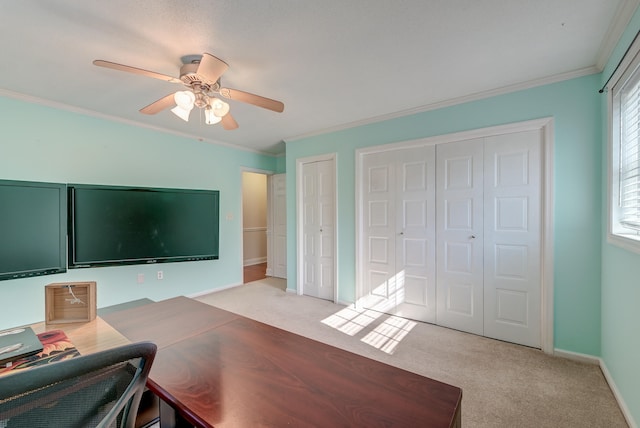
pixel 95 390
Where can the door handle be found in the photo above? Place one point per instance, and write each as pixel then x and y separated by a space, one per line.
pixel 473 236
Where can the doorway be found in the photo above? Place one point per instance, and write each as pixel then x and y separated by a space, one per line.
pixel 264 241
pixel 254 225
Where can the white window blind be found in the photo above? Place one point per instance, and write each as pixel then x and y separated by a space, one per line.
pixel 630 153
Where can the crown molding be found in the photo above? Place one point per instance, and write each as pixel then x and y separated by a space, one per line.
pixel 91 113
pixel 453 101
pixel 620 21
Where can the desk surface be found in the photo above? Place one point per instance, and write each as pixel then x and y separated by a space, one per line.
pixel 87 337
pixel 221 369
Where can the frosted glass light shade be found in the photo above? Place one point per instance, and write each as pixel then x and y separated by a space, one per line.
pixel 185 99
pixel 181 113
pixel 209 117
pixel 219 107
pixel 184 104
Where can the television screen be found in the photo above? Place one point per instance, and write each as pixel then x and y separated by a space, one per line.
pixel 33 229
pixel 122 225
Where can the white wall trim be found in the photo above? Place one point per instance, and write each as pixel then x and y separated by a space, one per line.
pixel 213 290
pixel 622 17
pixel 590 359
pixel 546 332
pixel 546 126
pixel 576 356
pixel 618 396
pixel 254 261
pixel 452 102
pixel 254 229
pixel 86 112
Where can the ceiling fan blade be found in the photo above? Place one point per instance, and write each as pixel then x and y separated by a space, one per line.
pixel 256 100
pixel 228 122
pixel 158 106
pixel 211 68
pixel 134 70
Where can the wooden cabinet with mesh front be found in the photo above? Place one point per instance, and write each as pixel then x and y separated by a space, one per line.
pixel 67 302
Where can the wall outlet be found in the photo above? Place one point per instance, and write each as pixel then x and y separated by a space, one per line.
pixel 140 278
pixel 160 274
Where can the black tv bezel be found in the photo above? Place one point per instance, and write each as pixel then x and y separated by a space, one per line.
pixel 62 231
pixel 71 231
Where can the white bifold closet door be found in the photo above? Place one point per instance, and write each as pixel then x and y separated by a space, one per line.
pixel 399 229
pixel 488 236
pixel 460 239
pixel 513 234
pixel 451 234
pixel 318 216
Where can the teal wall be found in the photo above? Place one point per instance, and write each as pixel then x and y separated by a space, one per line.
pixel 575 107
pixel 45 144
pixel 597 285
pixel 620 280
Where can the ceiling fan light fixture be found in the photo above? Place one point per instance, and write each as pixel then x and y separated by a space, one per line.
pixel 185 99
pixel 210 118
pixel 184 104
pixel 181 113
pixel 219 107
pixel 201 76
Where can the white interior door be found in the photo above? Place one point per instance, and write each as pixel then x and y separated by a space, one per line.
pixel 278 200
pixel 459 205
pixel 399 218
pixel 512 261
pixel 318 216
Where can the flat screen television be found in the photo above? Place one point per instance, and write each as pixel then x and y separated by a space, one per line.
pixel 112 225
pixel 33 229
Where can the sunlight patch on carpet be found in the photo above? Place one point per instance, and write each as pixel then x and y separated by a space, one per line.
pixel 388 335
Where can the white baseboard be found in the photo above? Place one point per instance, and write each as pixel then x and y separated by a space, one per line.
pixel 590 359
pixel 616 393
pixel 254 261
pixel 213 290
pixel 576 356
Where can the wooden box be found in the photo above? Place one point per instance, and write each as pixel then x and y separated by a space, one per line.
pixel 67 302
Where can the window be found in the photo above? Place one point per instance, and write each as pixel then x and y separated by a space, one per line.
pixel 624 177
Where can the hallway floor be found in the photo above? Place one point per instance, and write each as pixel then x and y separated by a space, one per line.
pixel 255 272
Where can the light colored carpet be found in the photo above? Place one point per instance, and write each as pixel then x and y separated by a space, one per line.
pixel 504 385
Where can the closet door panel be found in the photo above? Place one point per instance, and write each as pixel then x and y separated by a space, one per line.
pixel 513 235
pixel 379 215
pixel 399 232
pixel 318 218
pixel 415 257
pixel 459 208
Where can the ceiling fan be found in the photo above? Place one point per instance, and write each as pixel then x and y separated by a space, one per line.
pixel 201 76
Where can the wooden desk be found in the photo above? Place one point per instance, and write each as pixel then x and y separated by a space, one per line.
pixel 87 337
pixel 220 369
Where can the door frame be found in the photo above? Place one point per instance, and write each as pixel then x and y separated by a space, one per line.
pixel 300 163
pixel 545 125
pixel 241 215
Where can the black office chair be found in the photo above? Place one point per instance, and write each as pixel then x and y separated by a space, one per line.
pixel 96 390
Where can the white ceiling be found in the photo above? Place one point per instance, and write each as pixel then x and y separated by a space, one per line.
pixel 334 63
